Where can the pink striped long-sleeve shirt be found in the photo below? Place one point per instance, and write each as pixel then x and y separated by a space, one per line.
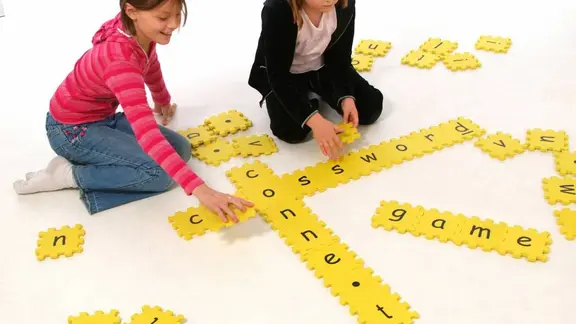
pixel 115 72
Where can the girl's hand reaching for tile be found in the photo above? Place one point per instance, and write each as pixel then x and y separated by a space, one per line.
pixel 218 202
pixel 166 111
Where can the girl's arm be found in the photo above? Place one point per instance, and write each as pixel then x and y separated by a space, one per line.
pixel 279 33
pixel 155 82
pixel 125 80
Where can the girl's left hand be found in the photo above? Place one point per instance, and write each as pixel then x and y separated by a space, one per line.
pixel 167 112
pixel 349 112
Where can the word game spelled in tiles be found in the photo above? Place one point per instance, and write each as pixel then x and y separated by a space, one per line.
pixel 560 190
pixel 254 145
pixel 546 140
pixel 460 230
pixel 494 44
pixel 319 247
pixel 228 123
pixel 420 59
pixel 99 317
pixel 196 221
pixel 362 62
pixel 156 315
pixel 565 162
pixel 438 46
pixel 566 220
pixel 373 47
pixel 198 136
pixel 500 146
pixel 65 241
pixel 216 152
pixel 461 61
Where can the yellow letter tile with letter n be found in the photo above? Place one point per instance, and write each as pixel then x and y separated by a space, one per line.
pixel 65 241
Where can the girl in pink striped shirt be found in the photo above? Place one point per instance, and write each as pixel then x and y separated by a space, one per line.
pixel 116 158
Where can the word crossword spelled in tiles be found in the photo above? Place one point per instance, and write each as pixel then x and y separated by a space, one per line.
pixel 462 230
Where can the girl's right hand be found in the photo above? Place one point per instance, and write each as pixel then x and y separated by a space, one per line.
pixel 218 202
pixel 326 135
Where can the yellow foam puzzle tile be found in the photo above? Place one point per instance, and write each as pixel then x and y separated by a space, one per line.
pixel 307 181
pixel 461 61
pixel 99 317
pixel 500 146
pixel 566 220
pixel 196 221
pixel 349 134
pixel 348 167
pixel 373 47
pixel 546 140
pixel 464 128
pixel 420 59
pixel 494 44
pixel 198 136
pixel 402 218
pixel 526 243
pixel 362 63
pixel 254 145
pixel 388 309
pixel 484 233
pixel 251 173
pixel 400 150
pixel 441 225
pixel 65 241
pixel 228 123
pixel 565 162
pixel 438 46
pixel 372 158
pixel 559 190
pixel 156 315
pixel 433 139
pixel 216 152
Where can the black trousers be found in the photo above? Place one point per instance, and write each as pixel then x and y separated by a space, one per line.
pixel 369 101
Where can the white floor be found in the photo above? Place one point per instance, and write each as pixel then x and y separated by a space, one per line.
pixel 247 275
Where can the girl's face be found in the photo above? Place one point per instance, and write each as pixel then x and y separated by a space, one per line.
pixel 156 25
pixel 320 5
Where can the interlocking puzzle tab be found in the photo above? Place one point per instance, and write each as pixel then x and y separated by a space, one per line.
pixel 494 44
pixel 565 162
pixel 546 140
pixel 99 317
pixel 566 219
pixel 373 47
pixel 196 221
pixel 254 145
pixel 461 61
pixel 500 146
pixel 156 315
pixel 228 123
pixel 420 59
pixel 216 152
pixel 198 136
pixel 461 230
pixel 438 46
pixel 560 190
pixel 350 133
pixel 65 241
pixel 362 63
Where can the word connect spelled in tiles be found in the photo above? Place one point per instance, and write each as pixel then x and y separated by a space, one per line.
pixel 254 145
pixel 227 123
pixel 156 315
pixel 99 317
pixel 362 63
pixel 494 44
pixel 420 59
pixel 198 136
pixel 565 162
pixel 65 241
pixel 560 190
pixel 458 229
pixel 461 61
pixel 216 152
pixel 438 46
pixel 373 47
pixel 500 146
pixel 566 219
pixel 546 140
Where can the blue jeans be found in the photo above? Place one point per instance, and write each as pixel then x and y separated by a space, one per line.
pixel 109 166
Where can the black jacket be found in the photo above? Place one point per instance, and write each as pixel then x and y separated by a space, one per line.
pixel 270 72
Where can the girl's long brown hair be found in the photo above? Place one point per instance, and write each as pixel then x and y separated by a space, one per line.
pixel 144 5
pixel 296 6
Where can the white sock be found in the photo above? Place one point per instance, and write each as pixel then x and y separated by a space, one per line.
pixel 57 175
